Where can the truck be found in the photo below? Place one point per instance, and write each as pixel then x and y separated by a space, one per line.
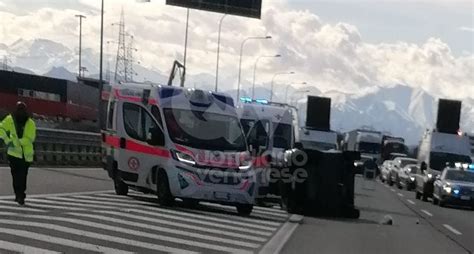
pixel 393 145
pixel 367 142
pixel 315 132
pixel 442 146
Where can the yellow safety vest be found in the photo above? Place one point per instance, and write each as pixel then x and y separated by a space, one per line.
pixel 18 147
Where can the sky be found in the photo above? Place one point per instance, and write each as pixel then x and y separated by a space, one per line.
pixel 345 45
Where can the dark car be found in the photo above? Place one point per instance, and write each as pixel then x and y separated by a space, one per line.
pixel 398 164
pixel 424 179
pixel 406 176
pixel 454 187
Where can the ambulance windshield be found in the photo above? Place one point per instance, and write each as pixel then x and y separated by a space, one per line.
pixel 204 130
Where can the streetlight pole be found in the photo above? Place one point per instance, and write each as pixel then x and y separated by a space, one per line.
pixel 101 85
pixel 219 50
pixel 255 71
pixel 273 81
pixel 80 42
pixel 286 91
pixel 240 63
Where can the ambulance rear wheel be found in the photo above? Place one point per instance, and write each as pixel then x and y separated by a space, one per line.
pixel 121 188
pixel 163 191
pixel 244 210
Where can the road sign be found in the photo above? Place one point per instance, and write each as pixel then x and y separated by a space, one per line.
pixel 246 8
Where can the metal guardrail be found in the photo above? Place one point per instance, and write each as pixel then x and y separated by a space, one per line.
pixel 63 148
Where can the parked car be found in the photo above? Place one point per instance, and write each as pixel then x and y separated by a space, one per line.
pixel 385 170
pixel 455 186
pixel 398 164
pixel 406 177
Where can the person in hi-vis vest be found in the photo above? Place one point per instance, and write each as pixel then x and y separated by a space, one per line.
pixel 18 132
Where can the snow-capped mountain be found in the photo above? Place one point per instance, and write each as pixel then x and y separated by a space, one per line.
pixel 400 109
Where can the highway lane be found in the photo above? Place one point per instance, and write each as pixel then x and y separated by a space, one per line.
pixel 410 232
pixel 58 219
pixel 456 222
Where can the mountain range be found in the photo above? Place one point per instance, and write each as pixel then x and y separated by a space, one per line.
pixel 401 109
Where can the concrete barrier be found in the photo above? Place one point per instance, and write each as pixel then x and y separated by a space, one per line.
pixel 63 148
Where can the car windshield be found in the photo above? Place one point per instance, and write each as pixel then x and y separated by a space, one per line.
pixel 203 130
pixel 395 147
pixel 412 169
pixel 372 148
pixel 438 161
pixel 282 135
pixel 459 175
pixel 404 162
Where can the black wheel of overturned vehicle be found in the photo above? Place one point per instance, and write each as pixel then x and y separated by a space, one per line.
pixel 120 187
pixel 163 189
pixel 244 210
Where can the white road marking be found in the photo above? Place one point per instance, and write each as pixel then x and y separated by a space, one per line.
pixel 427 213
pixel 186 226
pixel 183 233
pixel 54 240
pixel 24 248
pixel 19 208
pixel 392 189
pixel 125 241
pixel 182 216
pixel 276 244
pixel 215 216
pixel 400 194
pixel 275 213
pixel 411 202
pixel 452 229
pixel 58 194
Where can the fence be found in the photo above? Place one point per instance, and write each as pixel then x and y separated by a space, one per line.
pixel 64 148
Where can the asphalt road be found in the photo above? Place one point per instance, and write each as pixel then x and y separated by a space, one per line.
pixel 75 211
pixel 418 227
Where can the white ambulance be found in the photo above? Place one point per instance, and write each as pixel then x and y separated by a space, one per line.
pixel 270 132
pixel 178 143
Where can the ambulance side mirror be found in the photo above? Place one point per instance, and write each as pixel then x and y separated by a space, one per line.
pixel 156 137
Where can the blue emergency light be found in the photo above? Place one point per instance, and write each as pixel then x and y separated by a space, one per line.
pixel 471 167
pixel 246 99
pixel 261 101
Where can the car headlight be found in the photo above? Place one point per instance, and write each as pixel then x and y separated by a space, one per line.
pixel 412 178
pixel 430 175
pixel 183 157
pixel 447 189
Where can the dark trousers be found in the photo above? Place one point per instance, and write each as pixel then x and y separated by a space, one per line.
pixel 19 170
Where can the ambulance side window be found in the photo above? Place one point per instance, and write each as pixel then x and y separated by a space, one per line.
pixel 110 118
pixel 131 121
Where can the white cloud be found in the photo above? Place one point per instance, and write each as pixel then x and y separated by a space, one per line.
pixel 329 56
pixel 466 29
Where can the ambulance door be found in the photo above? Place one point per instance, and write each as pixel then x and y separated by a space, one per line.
pixel 141 145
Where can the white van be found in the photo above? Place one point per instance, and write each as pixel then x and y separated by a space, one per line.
pixel 178 143
pixel 270 131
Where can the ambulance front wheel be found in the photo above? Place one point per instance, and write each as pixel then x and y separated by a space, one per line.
pixel 163 191
pixel 244 210
pixel 121 188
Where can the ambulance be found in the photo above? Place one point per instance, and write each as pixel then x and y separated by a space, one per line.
pixel 270 132
pixel 178 143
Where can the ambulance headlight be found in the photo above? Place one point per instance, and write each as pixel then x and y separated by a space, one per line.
pixel 245 161
pixel 183 157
